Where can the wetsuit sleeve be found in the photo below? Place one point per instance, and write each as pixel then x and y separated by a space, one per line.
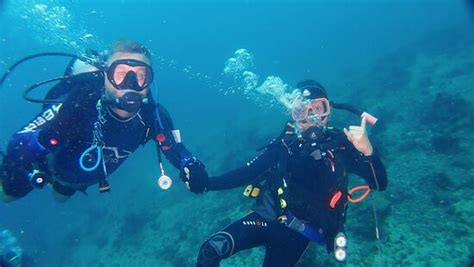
pixel 27 152
pixel 168 140
pixel 29 144
pixel 370 168
pixel 247 173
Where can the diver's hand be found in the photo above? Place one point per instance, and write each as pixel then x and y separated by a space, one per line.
pixel 194 176
pixel 357 135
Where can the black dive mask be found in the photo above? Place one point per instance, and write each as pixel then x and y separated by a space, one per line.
pixel 130 102
pixel 130 74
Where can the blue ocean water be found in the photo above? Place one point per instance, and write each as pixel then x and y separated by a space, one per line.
pixel 346 45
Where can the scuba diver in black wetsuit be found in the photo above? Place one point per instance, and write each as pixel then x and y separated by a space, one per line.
pixel 102 113
pixel 302 186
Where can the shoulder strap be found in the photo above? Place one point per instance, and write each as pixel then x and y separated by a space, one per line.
pixel 86 82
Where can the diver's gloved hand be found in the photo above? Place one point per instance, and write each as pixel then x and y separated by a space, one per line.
pixel 194 175
pixel 357 135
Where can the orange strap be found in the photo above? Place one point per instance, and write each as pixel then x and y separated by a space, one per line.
pixel 335 198
pixel 362 197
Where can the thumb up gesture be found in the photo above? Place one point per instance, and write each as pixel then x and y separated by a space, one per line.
pixel 357 135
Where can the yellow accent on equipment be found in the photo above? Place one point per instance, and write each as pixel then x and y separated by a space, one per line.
pixel 251 191
pixel 255 192
pixel 248 190
pixel 280 191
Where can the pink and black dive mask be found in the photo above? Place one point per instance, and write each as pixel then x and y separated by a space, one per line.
pixel 309 115
pixel 305 110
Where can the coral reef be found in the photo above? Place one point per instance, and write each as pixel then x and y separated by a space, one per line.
pixel 11 254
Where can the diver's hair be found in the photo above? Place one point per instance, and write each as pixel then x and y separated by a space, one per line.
pixel 129 46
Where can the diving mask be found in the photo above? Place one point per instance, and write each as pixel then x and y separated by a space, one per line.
pixel 308 113
pixel 130 74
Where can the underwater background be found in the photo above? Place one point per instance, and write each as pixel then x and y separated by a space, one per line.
pixel 410 63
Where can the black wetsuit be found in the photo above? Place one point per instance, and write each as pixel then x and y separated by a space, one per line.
pixel 308 183
pixel 56 139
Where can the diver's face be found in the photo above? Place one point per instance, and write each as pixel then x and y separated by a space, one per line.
pixel 315 109
pixel 121 72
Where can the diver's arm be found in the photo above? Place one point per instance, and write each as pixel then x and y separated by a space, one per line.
pixel 246 174
pixel 363 158
pixel 370 168
pixel 33 140
pixel 168 140
pixel 30 145
pixel 192 171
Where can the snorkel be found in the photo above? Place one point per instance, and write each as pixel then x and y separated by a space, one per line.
pixel 371 119
pixel 310 108
pixel 318 123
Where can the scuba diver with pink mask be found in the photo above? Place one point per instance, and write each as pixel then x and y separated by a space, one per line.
pixel 300 183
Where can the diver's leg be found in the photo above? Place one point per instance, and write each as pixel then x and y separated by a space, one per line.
pixel 248 232
pixel 62 193
pixel 14 183
pixel 285 247
pixel 60 197
pixel 20 190
pixel 4 197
